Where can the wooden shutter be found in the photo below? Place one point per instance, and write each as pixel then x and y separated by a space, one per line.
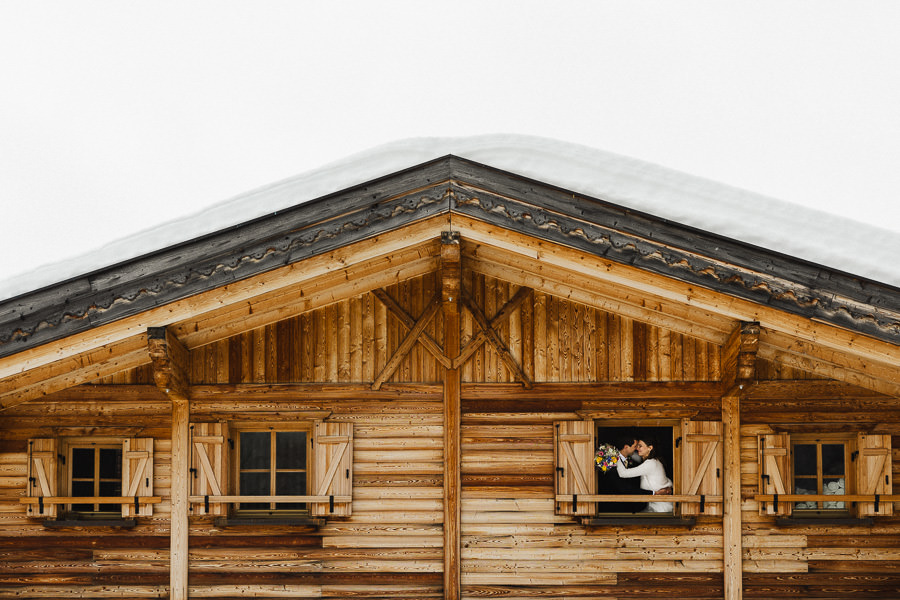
pixel 42 474
pixel 775 471
pixel 701 464
pixel 574 452
pixel 137 475
pixel 873 472
pixel 209 466
pixel 332 467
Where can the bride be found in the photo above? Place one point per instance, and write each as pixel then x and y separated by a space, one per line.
pixel 651 471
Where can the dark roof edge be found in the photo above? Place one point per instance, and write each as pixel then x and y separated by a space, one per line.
pixel 422 191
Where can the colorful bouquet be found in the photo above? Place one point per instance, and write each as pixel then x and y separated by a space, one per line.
pixel 606 457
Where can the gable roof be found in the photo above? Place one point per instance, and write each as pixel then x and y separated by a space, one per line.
pixel 406 210
pixel 449 185
pixel 794 230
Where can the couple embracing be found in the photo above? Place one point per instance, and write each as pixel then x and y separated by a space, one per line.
pixel 637 458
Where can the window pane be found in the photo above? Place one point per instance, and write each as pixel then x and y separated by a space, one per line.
pixel 110 488
pixel 255 451
pixel 806 486
pixel 290 484
pixel 290 450
pixel 833 487
pixel 293 484
pixel 83 464
pixel 833 459
pixel 82 488
pixel 805 460
pixel 254 484
pixel 110 463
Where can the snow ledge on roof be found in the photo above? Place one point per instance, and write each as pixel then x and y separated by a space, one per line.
pixel 797 231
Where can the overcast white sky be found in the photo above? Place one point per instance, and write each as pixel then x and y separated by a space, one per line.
pixel 116 116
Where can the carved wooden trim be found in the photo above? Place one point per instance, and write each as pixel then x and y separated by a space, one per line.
pixel 171 363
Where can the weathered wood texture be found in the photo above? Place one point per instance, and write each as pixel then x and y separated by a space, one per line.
pixel 817 559
pixel 552 339
pixel 391 546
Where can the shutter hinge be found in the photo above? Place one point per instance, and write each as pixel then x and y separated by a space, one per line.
pixel 231 443
pixel 877 502
pixel 702 503
pixel 775 503
pixel 678 441
pixel 853 455
pixel 574 503
pixel 41 504
pixel 347 476
pixel 137 506
pixel 331 504
pixel 561 471
pixel 206 503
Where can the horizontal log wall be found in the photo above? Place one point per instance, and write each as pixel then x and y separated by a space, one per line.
pixel 514 545
pixel 817 560
pixel 82 562
pixel 392 545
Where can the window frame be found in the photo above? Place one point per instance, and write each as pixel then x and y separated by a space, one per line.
pixel 819 440
pixel 674 461
pixel 69 445
pixel 235 431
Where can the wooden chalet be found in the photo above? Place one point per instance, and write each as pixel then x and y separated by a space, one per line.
pixel 396 390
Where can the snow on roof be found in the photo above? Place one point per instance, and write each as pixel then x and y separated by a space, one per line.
pixel 791 229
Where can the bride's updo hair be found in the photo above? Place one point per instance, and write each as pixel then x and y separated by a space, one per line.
pixel 650 441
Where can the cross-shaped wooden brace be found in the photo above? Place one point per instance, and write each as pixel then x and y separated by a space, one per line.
pixel 416 333
pixel 489 333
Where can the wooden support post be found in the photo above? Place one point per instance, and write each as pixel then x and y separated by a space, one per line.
pixel 178 534
pixel 738 374
pixel 731 521
pixel 450 290
pixel 171 365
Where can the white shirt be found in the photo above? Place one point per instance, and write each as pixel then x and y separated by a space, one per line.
pixel 653 478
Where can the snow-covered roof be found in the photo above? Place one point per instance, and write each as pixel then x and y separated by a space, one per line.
pixel 797 231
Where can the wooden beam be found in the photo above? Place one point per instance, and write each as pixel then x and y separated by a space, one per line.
pixel 581 284
pixel 171 363
pixel 180 495
pixel 73 371
pixel 880 376
pixel 622 390
pixel 731 520
pixel 450 292
pixel 171 373
pixel 425 338
pixel 231 294
pixel 715 304
pixel 412 336
pixel 489 333
pixel 316 292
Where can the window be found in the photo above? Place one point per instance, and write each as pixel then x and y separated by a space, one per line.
pixel 825 467
pixel 691 452
pixel 820 467
pixel 271 463
pixel 117 470
pixel 242 468
pixel 95 470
